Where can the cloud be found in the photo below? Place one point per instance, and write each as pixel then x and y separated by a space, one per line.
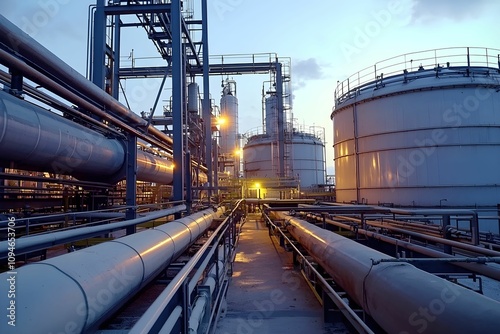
pixel 431 10
pixel 305 70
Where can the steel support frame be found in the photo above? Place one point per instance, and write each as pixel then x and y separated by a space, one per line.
pixel 281 123
pixel 98 69
pixel 178 82
pixel 206 107
pixel 177 28
pixel 131 181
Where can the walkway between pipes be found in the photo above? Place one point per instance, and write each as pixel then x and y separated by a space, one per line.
pixel 265 294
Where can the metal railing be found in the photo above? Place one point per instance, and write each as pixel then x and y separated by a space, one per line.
pixel 171 311
pixel 315 131
pixel 436 59
pixel 42 241
pixel 350 314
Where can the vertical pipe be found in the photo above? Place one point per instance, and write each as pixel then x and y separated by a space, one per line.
pixel 99 48
pixel 189 194
pixel 177 101
pixel 131 178
pixel 2 184
pixel 356 153
pixel 281 126
pixel 206 112
pixel 16 83
pixel 475 229
pixel 115 82
pixel 446 233
pixel 498 214
pixel 216 166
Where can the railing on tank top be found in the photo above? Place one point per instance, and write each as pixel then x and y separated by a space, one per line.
pixel 429 63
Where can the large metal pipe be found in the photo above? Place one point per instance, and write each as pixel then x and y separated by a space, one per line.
pixel 482 269
pixel 77 291
pixel 34 139
pixel 399 297
pixel 38 56
pixel 38 242
pixel 12 62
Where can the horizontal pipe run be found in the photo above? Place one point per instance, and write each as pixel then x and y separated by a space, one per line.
pixel 49 84
pixel 396 294
pixel 485 270
pixel 53 102
pixel 277 201
pixel 43 241
pixel 41 58
pixel 464 259
pixel 33 138
pixel 443 241
pixel 439 240
pixel 152 317
pixel 328 206
pixel 347 311
pixel 79 290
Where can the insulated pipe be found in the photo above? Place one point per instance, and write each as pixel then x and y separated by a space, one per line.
pixel 200 305
pixel 453 243
pixel 13 62
pixel 41 58
pixel 77 291
pixel 398 296
pixel 482 269
pixel 438 240
pixel 38 242
pixel 33 138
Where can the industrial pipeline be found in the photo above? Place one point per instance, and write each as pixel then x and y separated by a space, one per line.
pixel 77 291
pixel 398 296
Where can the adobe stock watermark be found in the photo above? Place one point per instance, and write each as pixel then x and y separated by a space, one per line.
pixel 12 273
pixel 453 117
pixel 363 35
pixel 222 7
pixel 421 318
pixel 40 18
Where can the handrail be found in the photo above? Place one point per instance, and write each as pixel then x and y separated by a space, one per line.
pixel 151 321
pixel 43 241
pixel 351 316
pixel 452 57
pixel 27 223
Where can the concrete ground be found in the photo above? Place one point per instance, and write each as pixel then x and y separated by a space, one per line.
pixel 265 294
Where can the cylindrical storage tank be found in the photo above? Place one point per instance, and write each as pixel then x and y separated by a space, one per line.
pixel 271 120
pixel 229 147
pixel 192 104
pixel 258 157
pixel 423 137
pixel 307 158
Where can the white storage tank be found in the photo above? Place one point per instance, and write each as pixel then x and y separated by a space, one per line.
pixel 424 132
pixel 308 162
pixel 304 151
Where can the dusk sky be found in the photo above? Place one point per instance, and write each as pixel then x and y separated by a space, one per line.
pixel 327 42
